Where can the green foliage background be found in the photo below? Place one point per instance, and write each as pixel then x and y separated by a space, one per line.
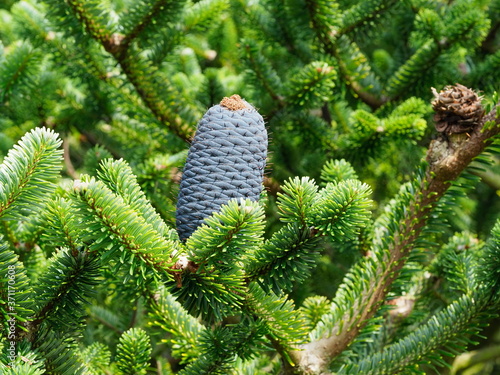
pixel 109 92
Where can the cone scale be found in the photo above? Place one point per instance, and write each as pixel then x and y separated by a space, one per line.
pixel 226 161
pixel 458 109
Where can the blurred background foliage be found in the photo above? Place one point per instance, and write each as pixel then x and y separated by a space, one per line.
pixel 333 79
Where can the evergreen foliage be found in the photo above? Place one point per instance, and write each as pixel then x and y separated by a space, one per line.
pixel 373 248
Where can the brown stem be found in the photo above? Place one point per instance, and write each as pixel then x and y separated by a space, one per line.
pixel 447 158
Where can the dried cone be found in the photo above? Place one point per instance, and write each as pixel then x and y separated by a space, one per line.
pixel 226 160
pixel 458 109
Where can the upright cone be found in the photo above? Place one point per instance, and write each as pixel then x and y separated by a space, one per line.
pixel 226 160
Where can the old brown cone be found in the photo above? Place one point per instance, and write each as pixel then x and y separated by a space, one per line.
pixel 457 108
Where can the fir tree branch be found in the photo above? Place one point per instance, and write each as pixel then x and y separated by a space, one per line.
pixel 361 14
pixel 222 345
pixel 61 231
pixel 118 176
pixel 326 34
pixel 418 63
pixel 356 304
pixel 311 86
pixel 60 353
pixel 107 318
pixel 141 74
pixel 63 291
pixel 225 237
pixel 9 236
pixel 113 224
pixel 16 294
pixel 96 357
pixel 367 97
pixel 28 172
pixel 467 25
pixel 450 330
pixel 133 352
pixel 213 282
pixel 285 326
pixel 92 22
pixel 18 68
pixel 490 262
pixel 286 259
pixel 147 19
pixel 171 317
pixel 261 68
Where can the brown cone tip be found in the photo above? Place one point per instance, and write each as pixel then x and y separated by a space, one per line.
pixel 234 103
pixel 458 109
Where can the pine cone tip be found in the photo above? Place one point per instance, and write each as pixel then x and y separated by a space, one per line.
pixel 234 103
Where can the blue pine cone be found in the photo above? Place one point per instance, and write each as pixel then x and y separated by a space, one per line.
pixel 226 160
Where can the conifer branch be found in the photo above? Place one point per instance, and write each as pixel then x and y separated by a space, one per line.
pixel 446 158
pixel 60 304
pixel 264 73
pixel 141 77
pixel 60 353
pixel 490 266
pixel 61 230
pixel 311 86
pixel 468 26
pixel 368 98
pixel 146 20
pixel 91 22
pixel 327 37
pixel 110 74
pixel 14 282
pixel 18 68
pixel 361 14
pixel 28 172
pixel 140 74
pixel 133 352
pixel 118 176
pixel 124 228
pixel 449 331
pixel 285 326
pixel 170 316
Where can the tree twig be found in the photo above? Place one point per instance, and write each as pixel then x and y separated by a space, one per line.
pixel 447 158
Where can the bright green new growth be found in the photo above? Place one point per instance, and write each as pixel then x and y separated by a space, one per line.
pixel 170 316
pixel 132 353
pixel 296 201
pixel 113 226
pixel 312 85
pixel 228 237
pixel 289 256
pixel 338 170
pixel 97 358
pixel 29 172
pixel 341 209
